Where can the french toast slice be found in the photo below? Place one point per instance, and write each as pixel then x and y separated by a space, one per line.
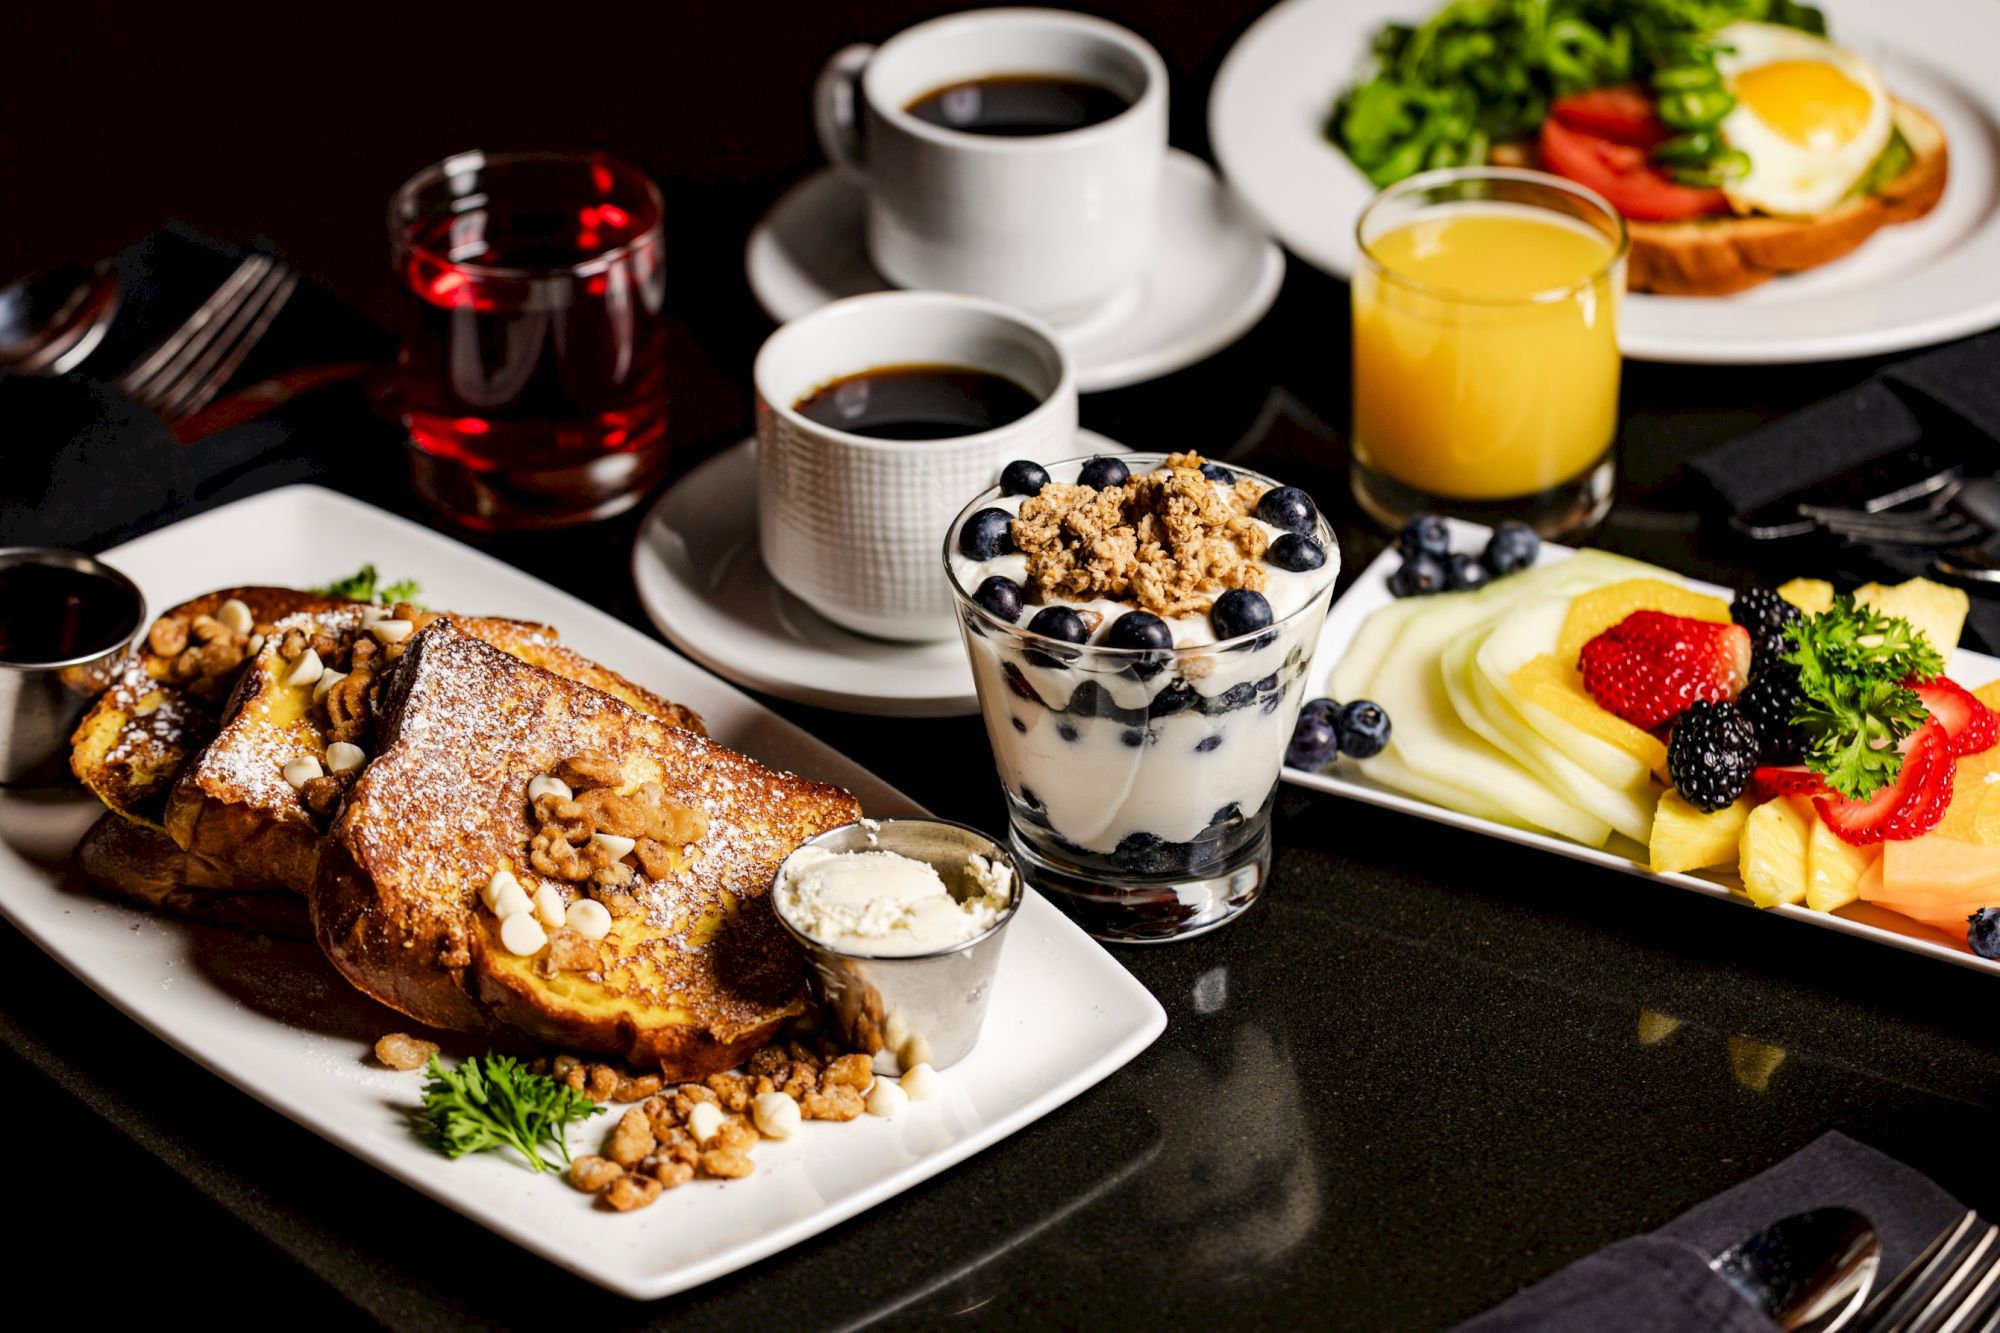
pixel 695 972
pixel 140 863
pixel 232 802
pixel 151 718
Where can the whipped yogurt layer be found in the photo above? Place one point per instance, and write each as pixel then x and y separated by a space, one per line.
pixel 885 904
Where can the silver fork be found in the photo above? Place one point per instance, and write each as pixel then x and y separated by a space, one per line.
pixel 1963 511
pixel 1952 1286
pixel 187 367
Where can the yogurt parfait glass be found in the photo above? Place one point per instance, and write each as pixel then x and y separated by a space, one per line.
pixel 1139 781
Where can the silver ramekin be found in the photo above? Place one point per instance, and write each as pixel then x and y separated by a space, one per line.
pixel 910 1009
pixel 41 701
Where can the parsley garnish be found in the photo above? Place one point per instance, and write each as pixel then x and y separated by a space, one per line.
pixel 1853 662
pixel 365 585
pixel 490 1101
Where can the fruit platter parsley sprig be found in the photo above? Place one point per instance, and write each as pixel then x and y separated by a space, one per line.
pixel 365 585
pixel 491 1102
pixel 1852 664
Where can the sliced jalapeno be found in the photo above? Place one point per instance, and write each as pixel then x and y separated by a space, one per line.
pixel 1686 78
pixel 1696 110
pixel 1688 149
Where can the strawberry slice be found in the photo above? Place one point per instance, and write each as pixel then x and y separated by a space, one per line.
pixel 1650 666
pixel 1972 726
pixel 1909 807
pixel 1774 781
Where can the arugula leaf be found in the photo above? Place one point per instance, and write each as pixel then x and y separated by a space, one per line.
pixel 1853 662
pixel 365 585
pixel 491 1102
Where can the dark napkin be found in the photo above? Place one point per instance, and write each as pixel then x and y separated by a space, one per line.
pixel 87 466
pixel 1661 1280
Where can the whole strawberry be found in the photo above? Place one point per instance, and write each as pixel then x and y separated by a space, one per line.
pixel 1650 666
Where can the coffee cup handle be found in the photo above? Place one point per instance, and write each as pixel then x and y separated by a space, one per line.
pixel 836 106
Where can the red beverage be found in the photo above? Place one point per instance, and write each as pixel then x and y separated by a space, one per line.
pixel 532 375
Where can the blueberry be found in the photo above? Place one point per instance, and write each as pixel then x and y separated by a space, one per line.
pixel 1001 596
pixel 1420 576
pixel 1019 683
pixel 986 534
pixel 1511 549
pixel 1269 683
pixel 1019 725
pixel 1296 553
pixel 1313 743
pixel 1325 708
pixel 1217 472
pixel 1363 729
pixel 1289 508
pixel 1133 736
pixel 1102 472
pixel 1463 573
pixel 1086 699
pixel 1270 704
pixel 1066 731
pixel 1138 629
pixel 1059 622
pixel 1022 477
pixel 1239 612
pixel 1227 815
pixel 1231 699
pixel 1426 534
pixel 1982 932
pixel 1207 743
pixel 1176 698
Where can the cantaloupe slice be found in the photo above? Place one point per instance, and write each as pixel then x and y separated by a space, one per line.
pixel 1938 881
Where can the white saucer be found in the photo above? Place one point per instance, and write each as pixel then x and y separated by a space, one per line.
pixel 701 580
pixel 1213 273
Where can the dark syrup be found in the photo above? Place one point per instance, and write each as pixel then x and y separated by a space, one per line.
pixel 52 614
pixel 917 402
pixel 1018 104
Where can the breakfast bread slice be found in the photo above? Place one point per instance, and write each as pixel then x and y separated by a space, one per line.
pixel 695 971
pixel 139 863
pixel 232 802
pixel 1716 256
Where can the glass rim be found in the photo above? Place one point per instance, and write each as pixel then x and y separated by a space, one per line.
pixel 400 213
pixel 1322 531
pixel 1424 180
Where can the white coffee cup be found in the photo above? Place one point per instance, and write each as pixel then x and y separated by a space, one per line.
pixel 852 525
pixel 1057 224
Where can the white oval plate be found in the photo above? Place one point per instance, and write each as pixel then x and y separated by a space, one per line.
pixel 1910 285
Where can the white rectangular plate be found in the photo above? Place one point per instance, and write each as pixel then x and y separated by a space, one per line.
pixel 1346 778
pixel 273 1017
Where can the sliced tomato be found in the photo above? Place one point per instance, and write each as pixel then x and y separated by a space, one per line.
pixel 1621 113
pixel 1624 174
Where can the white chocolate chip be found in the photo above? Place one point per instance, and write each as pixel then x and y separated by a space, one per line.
pixel 502 881
pixel 619 847
pixel 895 1032
pixel 510 901
pixel 343 755
pixel 235 616
pixel 302 770
pixel 920 1082
pixel 916 1051
pixel 545 783
pixel 306 671
pixel 886 1099
pixel 589 918
pixel 393 631
pixel 549 906
pixel 256 644
pixel 704 1120
pixel 371 614
pixel 327 680
pixel 522 934
pixel 777 1115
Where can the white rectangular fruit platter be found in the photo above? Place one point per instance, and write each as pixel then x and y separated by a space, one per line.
pixel 273 1018
pixel 1346 777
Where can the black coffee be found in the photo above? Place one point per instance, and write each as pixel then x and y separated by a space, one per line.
pixel 1018 104
pixel 917 402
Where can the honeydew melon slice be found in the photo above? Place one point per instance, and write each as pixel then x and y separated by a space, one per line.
pixel 1520 639
pixel 1355 672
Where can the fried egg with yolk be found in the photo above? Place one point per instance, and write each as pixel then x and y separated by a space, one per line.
pixel 1811 116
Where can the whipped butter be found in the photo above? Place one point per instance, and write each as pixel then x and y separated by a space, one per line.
pixel 884 903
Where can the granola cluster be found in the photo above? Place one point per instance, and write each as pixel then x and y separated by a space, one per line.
pixel 1166 540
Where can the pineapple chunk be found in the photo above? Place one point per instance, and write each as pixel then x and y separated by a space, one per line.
pixel 1773 860
pixel 1833 867
pixel 1811 596
pixel 1937 612
pixel 1593 612
pixel 1988 694
pixel 1686 839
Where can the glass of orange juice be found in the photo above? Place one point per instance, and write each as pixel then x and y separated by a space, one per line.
pixel 1486 349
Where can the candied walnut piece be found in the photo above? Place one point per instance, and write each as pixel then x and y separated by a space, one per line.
pixel 588 769
pixel 732 1091
pixel 768 1062
pixel 347 707
pixel 840 1103
pixel 551 854
pixel 656 858
pixel 727 1163
pixel 631 1140
pixel 735 1133
pixel 629 1192
pixel 293 646
pixel 671 1172
pixel 849 1071
pixel 364 652
pixel 662 1116
pixel 399 1050
pixel 321 795
pixel 637 1089
pixel 616 902
pixel 591 1174
pixel 601 1082
pixel 168 636
pixel 679 1144
pixel 207 629
pixel 687 1094
pixel 571 951
pixel 614 876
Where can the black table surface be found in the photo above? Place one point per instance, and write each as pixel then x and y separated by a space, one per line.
pixel 1427 1069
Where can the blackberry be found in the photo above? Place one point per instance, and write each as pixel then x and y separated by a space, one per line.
pixel 1712 754
pixel 1765 615
pixel 1770 701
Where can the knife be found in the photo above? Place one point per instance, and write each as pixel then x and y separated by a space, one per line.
pixel 253 402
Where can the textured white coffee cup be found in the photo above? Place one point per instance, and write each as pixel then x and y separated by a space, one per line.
pixel 852 525
pixel 1056 224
